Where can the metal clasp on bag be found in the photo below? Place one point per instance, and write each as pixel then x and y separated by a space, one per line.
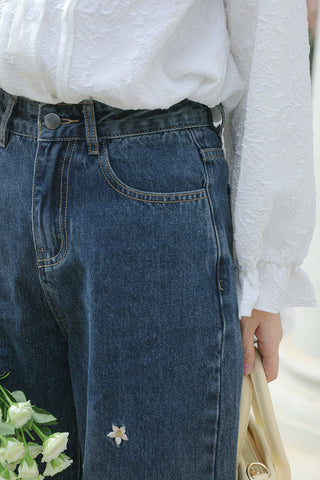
pixel 252 470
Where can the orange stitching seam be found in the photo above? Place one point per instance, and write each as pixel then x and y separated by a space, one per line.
pixel 94 127
pixel 212 149
pixel 119 135
pixel 5 119
pixel 33 199
pixel 66 121
pixel 60 206
pixel 145 200
pixel 65 218
pixel 194 192
pixel 87 127
pixel 214 156
pixel 40 126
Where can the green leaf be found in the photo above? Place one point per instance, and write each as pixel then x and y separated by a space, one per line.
pixel 29 460
pixel 19 396
pixel 46 431
pixel 26 429
pixel 9 394
pixel 40 410
pixel 5 474
pixel 44 418
pixel 6 429
pixel 4 412
pixel 47 424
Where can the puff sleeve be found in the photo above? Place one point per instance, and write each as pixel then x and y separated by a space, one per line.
pixel 271 140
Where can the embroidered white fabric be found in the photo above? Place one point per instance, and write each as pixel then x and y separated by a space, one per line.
pixel 128 54
pixel 271 144
pixel 150 54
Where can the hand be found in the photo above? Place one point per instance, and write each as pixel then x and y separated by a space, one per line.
pixel 267 328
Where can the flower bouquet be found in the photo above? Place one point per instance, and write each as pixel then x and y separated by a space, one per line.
pixel 20 425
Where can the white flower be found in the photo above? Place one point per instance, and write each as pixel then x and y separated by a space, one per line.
pixel 3 456
pixel 57 465
pixel 34 449
pixel 38 477
pixel 118 433
pixel 19 413
pixel 54 445
pixel 12 450
pixel 28 468
pixel 11 466
pixel 8 475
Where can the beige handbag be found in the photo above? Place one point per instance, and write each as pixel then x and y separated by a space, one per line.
pixel 261 455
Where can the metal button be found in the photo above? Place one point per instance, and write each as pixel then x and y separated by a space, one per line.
pixel 52 121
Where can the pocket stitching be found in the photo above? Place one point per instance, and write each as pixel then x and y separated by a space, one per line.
pixel 215 153
pixel 61 201
pixel 198 192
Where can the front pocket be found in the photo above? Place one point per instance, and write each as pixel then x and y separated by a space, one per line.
pixel 161 167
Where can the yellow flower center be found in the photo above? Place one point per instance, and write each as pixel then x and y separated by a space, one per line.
pixel 119 433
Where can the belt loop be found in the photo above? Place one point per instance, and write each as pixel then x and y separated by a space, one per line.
pixel 223 117
pixel 90 126
pixel 4 120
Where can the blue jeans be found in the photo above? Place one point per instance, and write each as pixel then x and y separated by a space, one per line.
pixel 117 293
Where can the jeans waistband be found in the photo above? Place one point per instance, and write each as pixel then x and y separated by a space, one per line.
pixel 90 119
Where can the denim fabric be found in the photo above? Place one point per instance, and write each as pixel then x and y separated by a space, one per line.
pixel 117 295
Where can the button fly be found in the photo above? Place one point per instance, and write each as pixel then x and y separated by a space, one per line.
pixel 52 121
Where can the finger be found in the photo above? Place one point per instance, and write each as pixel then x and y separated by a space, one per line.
pixel 270 359
pixel 247 333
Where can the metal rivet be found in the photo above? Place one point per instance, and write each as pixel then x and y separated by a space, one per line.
pixel 52 121
pixel 252 471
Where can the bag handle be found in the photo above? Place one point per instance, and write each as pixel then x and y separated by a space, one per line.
pixel 245 409
pixel 255 393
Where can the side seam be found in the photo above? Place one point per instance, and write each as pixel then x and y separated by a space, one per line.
pixel 219 289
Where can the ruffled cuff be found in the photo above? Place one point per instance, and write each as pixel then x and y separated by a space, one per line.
pixel 270 287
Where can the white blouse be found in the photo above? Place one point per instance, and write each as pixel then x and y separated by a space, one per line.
pixel 251 55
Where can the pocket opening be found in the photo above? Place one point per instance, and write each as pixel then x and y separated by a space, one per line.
pixel 163 170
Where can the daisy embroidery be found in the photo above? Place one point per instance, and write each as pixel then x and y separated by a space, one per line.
pixel 118 433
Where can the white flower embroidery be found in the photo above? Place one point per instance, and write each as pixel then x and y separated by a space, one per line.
pixel 118 433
